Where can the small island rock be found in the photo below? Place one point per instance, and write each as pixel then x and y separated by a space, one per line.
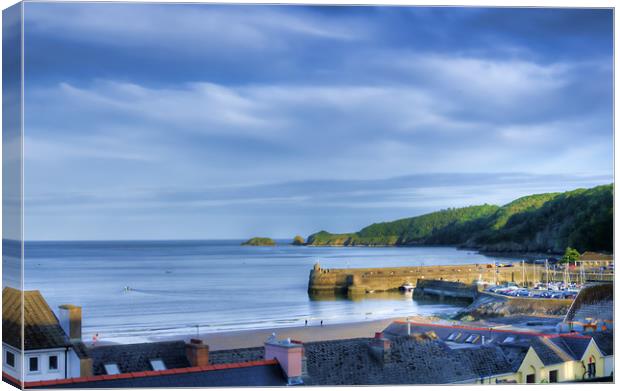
pixel 257 241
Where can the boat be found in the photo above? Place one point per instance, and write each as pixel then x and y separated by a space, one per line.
pixel 406 287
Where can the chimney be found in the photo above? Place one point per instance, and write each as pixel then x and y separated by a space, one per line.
pixel 380 348
pixel 289 355
pixel 71 321
pixel 197 353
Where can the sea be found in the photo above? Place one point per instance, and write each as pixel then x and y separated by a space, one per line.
pixel 136 291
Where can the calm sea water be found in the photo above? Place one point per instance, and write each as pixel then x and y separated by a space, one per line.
pixel 217 285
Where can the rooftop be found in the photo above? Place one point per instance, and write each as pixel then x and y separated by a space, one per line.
pixel 594 256
pixel 550 348
pixel 41 327
pixel 350 362
pixel 138 357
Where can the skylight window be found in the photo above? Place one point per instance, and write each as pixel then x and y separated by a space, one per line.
pixel 112 369
pixel 454 336
pixel 158 364
pixel 509 339
pixel 472 338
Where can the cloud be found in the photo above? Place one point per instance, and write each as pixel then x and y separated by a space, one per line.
pixel 420 190
pixel 451 106
pixel 184 28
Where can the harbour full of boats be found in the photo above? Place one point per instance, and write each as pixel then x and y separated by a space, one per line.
pixel 551 290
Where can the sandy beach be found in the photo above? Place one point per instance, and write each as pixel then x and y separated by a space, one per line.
pixel 252 338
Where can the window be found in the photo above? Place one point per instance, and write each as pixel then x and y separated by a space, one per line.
pixel 158 364
pixel 472 338
pixel 531 378
pixel 52 363
pixel 10 359
pixel 553 376
pixel 112 369
pixel 509 340
pixel 454 336
pixel 33 364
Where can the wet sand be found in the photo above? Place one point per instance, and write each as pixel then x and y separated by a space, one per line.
pixel 253 338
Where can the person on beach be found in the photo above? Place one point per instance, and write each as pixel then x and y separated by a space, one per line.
pixel 321 322
pixel 95 338
pixel 306 322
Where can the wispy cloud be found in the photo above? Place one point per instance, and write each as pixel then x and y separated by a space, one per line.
pixel 184 28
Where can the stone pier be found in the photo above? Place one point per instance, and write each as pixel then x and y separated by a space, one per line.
pixel 365 280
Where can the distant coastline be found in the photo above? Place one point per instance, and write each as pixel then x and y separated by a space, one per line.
pixel 541 223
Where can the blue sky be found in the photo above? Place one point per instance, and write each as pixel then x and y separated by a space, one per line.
pixel 153 121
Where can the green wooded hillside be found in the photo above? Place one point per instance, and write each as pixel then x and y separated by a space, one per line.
pixel 582 219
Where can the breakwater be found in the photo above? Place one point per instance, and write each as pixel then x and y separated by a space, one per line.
pixel 365 280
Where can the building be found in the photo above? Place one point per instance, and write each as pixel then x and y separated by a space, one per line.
pixel 592 310
pixel 594 259
pixel 404 353
pixel 535 357
pixel 55 357
pixel 52 348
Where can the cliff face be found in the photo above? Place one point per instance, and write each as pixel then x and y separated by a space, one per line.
pixel 582 219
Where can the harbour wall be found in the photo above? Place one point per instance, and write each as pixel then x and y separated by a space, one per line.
pixel 442 290
pixel 365 280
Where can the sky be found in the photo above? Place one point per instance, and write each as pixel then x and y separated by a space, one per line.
pixel 188 121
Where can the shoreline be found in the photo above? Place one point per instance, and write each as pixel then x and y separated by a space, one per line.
pixel 256 337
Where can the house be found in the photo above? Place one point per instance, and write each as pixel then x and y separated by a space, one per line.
pixel 605 342
pixel 594 259
pixel 55 357
pixel 52 348
pixel 404 353
pixel 535 357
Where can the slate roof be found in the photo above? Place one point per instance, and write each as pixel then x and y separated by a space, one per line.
pixel 594 301
pixel 236 355
pixel 514 355
pixel 605 341
pixel 254 374
pixel 548 352
pixel 136 357
pixel 574 346
pixel 411 360
pixel 551 349
pixel 41 327
pixel 461 333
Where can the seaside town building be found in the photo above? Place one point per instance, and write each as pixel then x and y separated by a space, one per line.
pixel 404 353
pixel 52 348
pixel 536 357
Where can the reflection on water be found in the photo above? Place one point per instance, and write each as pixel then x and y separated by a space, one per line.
pixel 382 295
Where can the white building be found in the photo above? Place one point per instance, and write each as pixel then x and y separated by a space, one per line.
pixel 52 349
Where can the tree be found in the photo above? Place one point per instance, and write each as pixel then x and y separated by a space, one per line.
pixel 570 255
pixel 299 241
